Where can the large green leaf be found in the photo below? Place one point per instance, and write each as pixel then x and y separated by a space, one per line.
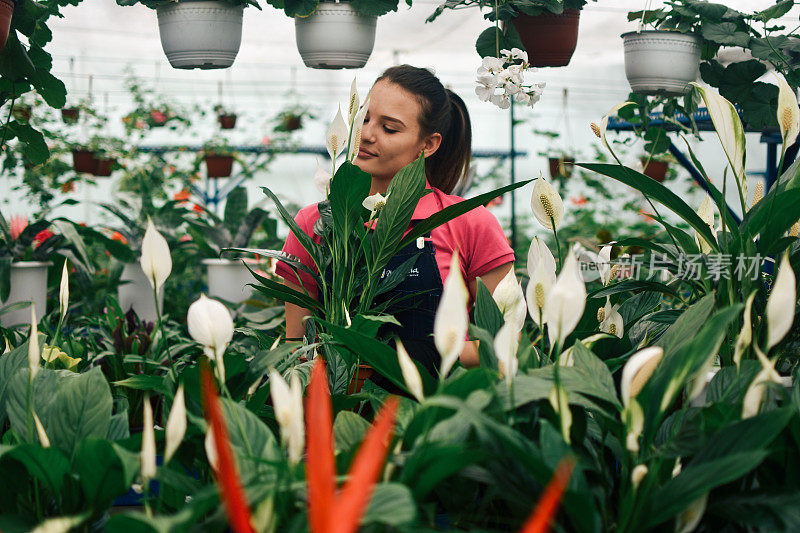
pixel 392 504
pixel 235 209
pixel 489 319
pixel 725 33
pixel 40 399
pixel 252 442
pixel 687 326
pixel 349 429
pixel 48 465
pixel 82 410
pixel 10 364
pixel 102 473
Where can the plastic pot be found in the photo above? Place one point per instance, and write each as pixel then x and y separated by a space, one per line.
pixel 661 62
pixel 28 284
pixel 560 167
pixel 6 11
pixel 200 34
pixel 227 122
pixel 84 161
pixel 228 279
pixel 70 115
pixel 335 36
pixel 655 169
pixel 219 166
pixel 363 373
pixel 104 166
pixel 549 39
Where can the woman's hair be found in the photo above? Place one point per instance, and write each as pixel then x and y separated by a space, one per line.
pixel 443 112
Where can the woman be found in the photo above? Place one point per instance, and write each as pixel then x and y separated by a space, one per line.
pixel 410 112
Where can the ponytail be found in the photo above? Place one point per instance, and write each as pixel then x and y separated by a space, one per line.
pixel 443 112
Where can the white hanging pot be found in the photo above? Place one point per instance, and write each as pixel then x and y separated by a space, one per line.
pixel 228 280
pixel 335 36
pixel 661 62
pixel 202 34
pixel 28 284
pixel 135 292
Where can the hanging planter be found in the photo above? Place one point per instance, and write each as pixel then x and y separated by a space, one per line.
pixel 335 36
pixel 70 115
pixel 549 39
pixel 228 280
pixel 661 62
pixel 227 121
pixel 561 167
pixel 200 34
pixel 362 374
pixel 655 169
pixel 28 284
pixel 6 11
pixel 104 166
pixel 218 166
pixel 135 292
pixel 83 161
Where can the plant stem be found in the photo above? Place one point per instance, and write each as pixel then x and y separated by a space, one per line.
pixel 558 244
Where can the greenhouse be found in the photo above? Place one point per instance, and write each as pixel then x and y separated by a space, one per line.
pixel 399 266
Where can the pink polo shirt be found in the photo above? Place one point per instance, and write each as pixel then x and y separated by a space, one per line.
pixel 482 246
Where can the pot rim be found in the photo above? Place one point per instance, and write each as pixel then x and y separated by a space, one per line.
pixel 31 264
pixel 660 32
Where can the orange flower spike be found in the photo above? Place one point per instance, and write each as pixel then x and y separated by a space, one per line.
pixel 542 515
pixel 320 467
pixel 364 472
pixel 228 482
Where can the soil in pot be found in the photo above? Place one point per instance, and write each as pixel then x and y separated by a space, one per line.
pixel 227 122
pixel 655 169
pixel 219 166
pixel 561 167
pixel 549 39
pixel 6 10
pixel 84 161
pixel 70 115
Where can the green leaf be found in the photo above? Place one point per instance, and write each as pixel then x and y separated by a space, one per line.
pixel 235 209
pixel 283 293
pixel 40 399
pixel 487 42
pixel 595 367
pixel 299 8
pixel 392 504
pixel 82 410
pixel 48 465
pixel 349 429
pixel 252 442
pixel 374 8
pixel 10 364
pixel 725 33
pixel 145 382
pixel 305 240
pixel 776 11
pixel 101 472
pixel 34 147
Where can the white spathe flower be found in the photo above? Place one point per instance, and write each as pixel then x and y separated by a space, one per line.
pixel 211 325
pixel 156 260
pixel 211 448
pixel 754 394
pixel 537 253
pixel 322 181
pixel 600 131
pixel 63 291
pixel 43 440
pixel 612 321
pixel 729 130
pixel 565 301
pixel 148 454
pixel 288 403
pixel 356 130
pixel 604 264
pixel 546 203
pixel 510 299
pixel 336 138
pixel 176 425
pixel 410 372
pixel 374 203
pixel 560 403
pixel 788 112
pixel 780 304
pixel 637 475
pixel 633 416
pixel 352 107
pixel 745 336
pixel 638 370
pixel 451 322
pixel 539 285
pixel 688 520
pixel 34 354
pixel 506 342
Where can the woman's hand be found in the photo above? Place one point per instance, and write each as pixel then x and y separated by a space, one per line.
pixel 295 316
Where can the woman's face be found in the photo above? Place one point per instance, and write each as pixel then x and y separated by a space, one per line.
pixel 391 137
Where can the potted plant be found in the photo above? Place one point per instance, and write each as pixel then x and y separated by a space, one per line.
pixel 6 11
pixel 333 34
pixel 226 119
pixel 70 115
pixel 218 156
pixel 560 165
pixel 228 278
pixel 546 29
pixel 204 34
pixel 291 118
pixel 655 166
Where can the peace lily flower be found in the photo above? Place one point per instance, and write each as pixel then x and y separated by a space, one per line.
pixel 352 108
pixel 687 521
pixel 211 448
pixel 63 291
pixel 746 334
pixel 788 112
pixel 336 139
pixel 506 342
pixel 355 130
pixel 604 264
pixel 794 231
pixel 176 425
pixel 638 370
pixel 288 402
pixel 210 324
pixel 410 372
pixel 706 214
pixel 374 203
pixel 322 181
pixel 546 203
pixel 558 399
pixel 565 302
pixel 754 394
pixel 510 299
pixel 758 194
pixel 33 345
pixel 637 475
pixel 612 321
pixel 148 454
pixel 780 303
pixel 600 130
pixel 633 416
pixel 452 320
pixel 537 292
pixel 537 253
pixel 156 260
pixel 43 440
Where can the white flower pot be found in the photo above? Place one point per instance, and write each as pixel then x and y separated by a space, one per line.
pixel 335 36
pixel 200 34
pixel 661 62
pixel 28 284
pixel 228 280
pixel 136 292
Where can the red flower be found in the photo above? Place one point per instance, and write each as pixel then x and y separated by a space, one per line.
pixel 41 237
pixel 68 186
pixel 182 196
pixel 579 200
pixel 542 515
pixel 117 236
pixel 197 208
pixel 158 117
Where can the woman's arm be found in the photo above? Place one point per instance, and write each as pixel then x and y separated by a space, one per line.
pixel 295 315
pixel 469 355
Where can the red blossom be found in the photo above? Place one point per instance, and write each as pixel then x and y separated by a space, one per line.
pixel 41 237
pixel 542 515
pixel 182 196
pixel 579 200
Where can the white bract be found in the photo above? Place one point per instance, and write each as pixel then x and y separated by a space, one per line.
pixel 63 291
pixel 542 280
pixel 637 475
pixel 755 391
pixel 560 403
pixel 211 448
pixel 506 342
pixel 156 260
pixel 34 353
pixel 352 107
pixel 451 322
pixel 566 301
pixel 600 130
pixel 706 214
pixel 788 112
pixel 211 325
pixel 148 454
pixel 745 336
pixel 288 403
pixel 612 321
pixel 689 519
pixel 638 370
pixel 510 299
pixel 546 203
pixel 539 252
pixel 780 304
pixel 43 440
pixel 176 425
pixel 410 372
pixel 336 138
pixel 322 180
pixel 374 203
pixel 356 129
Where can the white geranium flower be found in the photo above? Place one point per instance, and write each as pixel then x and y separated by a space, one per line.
pixel 501 100
pixel 492 64
pixel 484 92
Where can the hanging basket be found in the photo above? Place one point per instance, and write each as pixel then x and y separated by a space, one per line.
pixel 335 36
pixel 70 115
pixel 200 34
pixel 549 39
pixel 28 284
pixel 219 166
pixel 104 166
pixel 6 11
pixel 84 161
pixel 661 62
pixel 228 280
pixel 655 169
pixel 227 121
pixel 561 167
